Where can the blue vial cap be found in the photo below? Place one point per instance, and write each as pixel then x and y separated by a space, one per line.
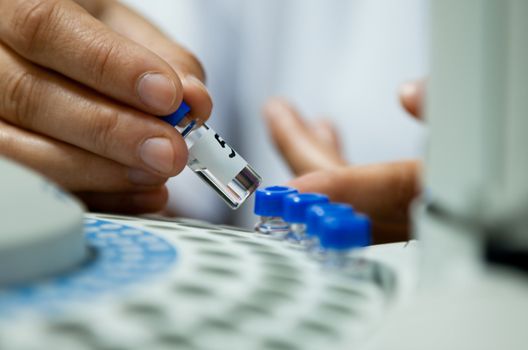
pixel 317 212
pixel 176 117
pixel 344 231
pixel 296 205
pixel 269 201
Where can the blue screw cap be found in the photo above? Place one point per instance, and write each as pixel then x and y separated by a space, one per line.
pixel 344 231
pixel 318 212
pixel 269 201
pixel 176 117
pixel 296 205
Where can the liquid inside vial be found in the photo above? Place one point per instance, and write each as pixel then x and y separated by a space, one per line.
pixel 211 158
pixel 272 226
pixel 236 191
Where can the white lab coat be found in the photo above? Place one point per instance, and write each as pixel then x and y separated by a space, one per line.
pixel 342 59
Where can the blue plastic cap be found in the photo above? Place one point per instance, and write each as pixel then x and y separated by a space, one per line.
pixel 317 212
pixel 269 201
pixel 296 205
pixel 344 231
pixel 176 117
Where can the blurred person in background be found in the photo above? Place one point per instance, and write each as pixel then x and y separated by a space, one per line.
pixel 338 66
pixel 83 81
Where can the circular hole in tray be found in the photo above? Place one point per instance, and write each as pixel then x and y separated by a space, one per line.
pixel 249 310
pixel 277 344
pixel 335 309
pixel 174 340
pixel 317 328
pixel 216 253
pixel 345 291
pixel 145 309
pixel 222 325
pixel 198 239
pixel 193 290
pixel 270 296
pixel 218 271
pixel 282 281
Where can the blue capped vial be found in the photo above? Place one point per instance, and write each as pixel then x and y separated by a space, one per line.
pixel 213 160
pixel 314 215
pixel 341 233
pixel 295 210
pixel 269 206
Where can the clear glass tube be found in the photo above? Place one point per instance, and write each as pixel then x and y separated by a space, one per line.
pixel 217 164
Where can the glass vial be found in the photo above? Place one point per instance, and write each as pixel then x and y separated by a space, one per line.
pixel 269 208
pixel 213 160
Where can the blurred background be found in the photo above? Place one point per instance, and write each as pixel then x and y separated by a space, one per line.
pixel 341 60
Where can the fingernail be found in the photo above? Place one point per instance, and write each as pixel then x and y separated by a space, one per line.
pixel 157 91
pixel 141 177
pixel 158 153
pixel 408 89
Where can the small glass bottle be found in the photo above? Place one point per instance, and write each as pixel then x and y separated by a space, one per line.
pixel 213 160
pixel 295 209
pixel 340 233
pixel 314 215
pixel 269 206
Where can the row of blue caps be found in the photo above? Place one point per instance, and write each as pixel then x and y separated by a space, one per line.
pixel 336 225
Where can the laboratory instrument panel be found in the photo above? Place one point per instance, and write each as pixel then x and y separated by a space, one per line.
pixel 154 283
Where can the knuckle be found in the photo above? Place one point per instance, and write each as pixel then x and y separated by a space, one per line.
pixel 103 131
pixel 33 23
pixel 101 52
pixel 18 100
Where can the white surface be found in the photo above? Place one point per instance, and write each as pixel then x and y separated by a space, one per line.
pixel 228 289
pixel 41 226
pixel 340 59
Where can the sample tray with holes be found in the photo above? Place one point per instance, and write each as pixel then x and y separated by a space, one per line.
pixel 153 283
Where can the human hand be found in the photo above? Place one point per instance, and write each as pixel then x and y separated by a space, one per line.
pixel 383 191
pixel 79 89
pixel 306 146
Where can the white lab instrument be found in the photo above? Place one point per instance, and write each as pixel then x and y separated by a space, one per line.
pixel 476 185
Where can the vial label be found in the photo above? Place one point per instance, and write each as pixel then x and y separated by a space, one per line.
pixel 216 155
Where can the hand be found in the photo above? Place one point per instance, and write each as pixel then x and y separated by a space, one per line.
pixel 382 191
pixel 306 146
pixel 79 89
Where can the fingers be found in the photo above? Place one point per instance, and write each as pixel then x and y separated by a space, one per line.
pixel 131 25
pixel 71 167
pixel 44 102
pixel 383 191
pixel 412 97
pixel 62 36
pixel 127 202
pixel 326 133
pixel 303 148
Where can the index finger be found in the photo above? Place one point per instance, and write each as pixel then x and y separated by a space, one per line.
pixel 61 35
